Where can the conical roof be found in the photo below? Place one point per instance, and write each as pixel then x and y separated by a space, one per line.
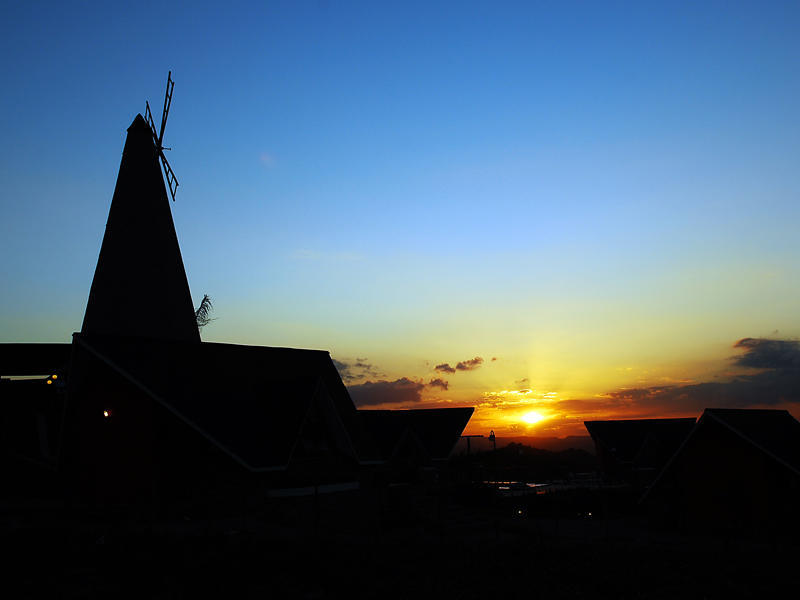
pixel 140 286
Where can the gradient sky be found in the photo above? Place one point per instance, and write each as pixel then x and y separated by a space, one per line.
pixel 599 200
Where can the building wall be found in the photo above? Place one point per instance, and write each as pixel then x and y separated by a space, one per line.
pixel 109 445
pixel 140 453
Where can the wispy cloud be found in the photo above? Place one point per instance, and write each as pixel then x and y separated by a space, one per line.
pixel 440 383
pixel 469 365
pixel 266 159
pixel 464 365
pixel 356 369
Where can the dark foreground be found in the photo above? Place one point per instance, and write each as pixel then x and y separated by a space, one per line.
pixel 410 544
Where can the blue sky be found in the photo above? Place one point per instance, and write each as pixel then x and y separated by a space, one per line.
pixel 573 187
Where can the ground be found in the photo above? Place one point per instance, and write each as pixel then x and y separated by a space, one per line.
pixel 410 543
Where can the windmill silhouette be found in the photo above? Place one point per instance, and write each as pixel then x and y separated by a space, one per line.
pixel 158 138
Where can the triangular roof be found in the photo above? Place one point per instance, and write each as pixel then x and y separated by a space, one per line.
pixel 624 438
pixel 140 286
pixel 438 429
pixel 776 433
pixel 250 401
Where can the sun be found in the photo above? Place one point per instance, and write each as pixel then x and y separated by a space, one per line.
pixel 532 417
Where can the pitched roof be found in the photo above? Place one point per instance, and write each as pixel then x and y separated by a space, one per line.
pixel 775 432
pixel 139 286
pixel 33 359
pixel 625 438
pixel 438 429
pixel 250 401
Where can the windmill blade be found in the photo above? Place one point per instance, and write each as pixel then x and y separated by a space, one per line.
pixel 149 117
pixel 167 103
pixel 169 175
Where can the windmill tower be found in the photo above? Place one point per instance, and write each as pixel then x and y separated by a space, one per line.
pixel 140 287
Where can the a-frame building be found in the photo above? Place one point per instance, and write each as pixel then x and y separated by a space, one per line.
pixel 138 410
pixel 153 412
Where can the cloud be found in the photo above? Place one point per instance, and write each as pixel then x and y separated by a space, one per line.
pixel 399 391
pixel 469 365
pixel 767 375
pixel 762 353
pixel 464 365
pixel 776 384
pixel 266 159
pixel 765 389
pixel 356 369
pixel 441 383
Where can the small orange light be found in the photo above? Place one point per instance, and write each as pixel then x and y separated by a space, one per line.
pixel 106 413
pixel 54 376
pixel 49 382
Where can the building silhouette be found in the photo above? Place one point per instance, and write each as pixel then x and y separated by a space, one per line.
pixel 137 410
pixel 635 450
pixel 737 472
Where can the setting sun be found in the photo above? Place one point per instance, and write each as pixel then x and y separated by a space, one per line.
pixel 532 417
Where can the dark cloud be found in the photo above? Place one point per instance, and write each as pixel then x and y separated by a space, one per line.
pixel 340 366
pixel 399 391
pixel 762 353
pixel 355 370
pixel 777 383
pixel 764 389
pixel 469 365
pixel 371 393
pixel 464 365
pixel 441 383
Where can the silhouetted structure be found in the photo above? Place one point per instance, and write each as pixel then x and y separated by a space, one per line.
pixel 140 287
pixel 407 440
pixel 738 471
pixel 635 450
pixel 137 410
pixel 168 428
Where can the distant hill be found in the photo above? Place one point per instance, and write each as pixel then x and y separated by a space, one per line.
pixel 553 444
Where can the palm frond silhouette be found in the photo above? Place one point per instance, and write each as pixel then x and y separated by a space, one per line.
pixel 203 312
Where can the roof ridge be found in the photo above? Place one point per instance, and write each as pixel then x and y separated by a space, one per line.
pixel 749 439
